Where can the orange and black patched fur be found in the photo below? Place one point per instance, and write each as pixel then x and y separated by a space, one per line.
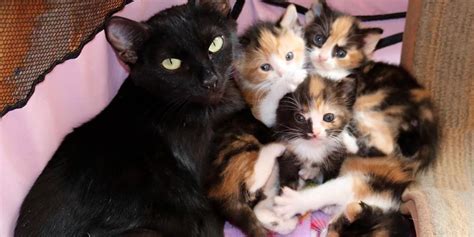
pixel 392 112
pixel 365 197
pixel 272 63
pixel 313 148
pixel 337 43
pixel 310 122
pixel 238 143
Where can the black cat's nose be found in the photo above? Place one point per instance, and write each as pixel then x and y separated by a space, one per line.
pixel 210 84
pixel 209 80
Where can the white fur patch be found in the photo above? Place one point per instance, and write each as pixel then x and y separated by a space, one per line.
pixel 335 74
pixel 315 152
pixel 284 78
pixel 350 142
pixel 264 165
pixel 337 191
pixel 384 202
pixel 329 68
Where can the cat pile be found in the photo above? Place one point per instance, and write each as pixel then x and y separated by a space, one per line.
pixel 255 130
pixel 361 130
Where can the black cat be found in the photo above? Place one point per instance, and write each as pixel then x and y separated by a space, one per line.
pixel 136 169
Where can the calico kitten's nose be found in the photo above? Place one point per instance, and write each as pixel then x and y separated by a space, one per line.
pixel 322 58
pixel 313 135
pixel 279 73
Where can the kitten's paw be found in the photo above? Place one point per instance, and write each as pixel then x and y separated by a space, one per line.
pixel 264 165
pixel 289 203
pixel 276 149
pixel 284 226
pixel 271 221
pixel 350 142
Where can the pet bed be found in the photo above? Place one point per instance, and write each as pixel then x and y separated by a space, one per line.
pixel 77 89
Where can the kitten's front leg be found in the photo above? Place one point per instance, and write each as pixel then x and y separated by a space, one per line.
pixel 338 191
pixel 264 165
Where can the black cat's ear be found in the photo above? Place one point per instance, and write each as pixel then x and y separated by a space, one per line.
pixel 289 20
pixel 371 38
pixel 316 9
pixel 222 6
pixel 347 89
pixel 126 37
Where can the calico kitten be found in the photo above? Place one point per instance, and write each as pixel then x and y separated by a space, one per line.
pixel 337 43
pixel 367 193
pixel 246 174
pixel 241 167
pixel 272 64
pixel 136 168
pixel 393 112
pixel 310 122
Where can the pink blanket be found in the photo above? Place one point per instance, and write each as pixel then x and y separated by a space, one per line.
pixel 78 89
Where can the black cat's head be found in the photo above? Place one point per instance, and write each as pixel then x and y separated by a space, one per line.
pixel 360 219
pixel 184 52
pixel 317 111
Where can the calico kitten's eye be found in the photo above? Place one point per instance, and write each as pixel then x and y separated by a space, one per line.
pixel 329 117
pixel 266 67
pixel 171 63
pixel 289 56
pixel 319 40
pixel 216 44
pixel 340 53
pixel 299 118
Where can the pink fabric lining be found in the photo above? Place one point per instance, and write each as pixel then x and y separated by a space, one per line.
pixel 78 89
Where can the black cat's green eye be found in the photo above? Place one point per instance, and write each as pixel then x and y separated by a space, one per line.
pixel 289 56
pixel 319 40
pixel 171 63
pixel 329 117
pixel 266 67
pixel 340 53
pixel 300 118
pixel 216 44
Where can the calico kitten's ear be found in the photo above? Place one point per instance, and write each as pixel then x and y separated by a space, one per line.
pixel 315 10
pixel 244 41
pixel 223 6
pixel 353 210
pixel 290 18
pixel 126 37
pixel 347 89
pixel 372 37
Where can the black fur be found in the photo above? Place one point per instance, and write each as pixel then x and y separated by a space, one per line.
pixel 136 169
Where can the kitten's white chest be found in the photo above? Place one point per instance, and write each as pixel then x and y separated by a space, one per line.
pixel 313 152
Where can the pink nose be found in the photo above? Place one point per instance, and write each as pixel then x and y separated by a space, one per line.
pixel 313 135
pixel 322 58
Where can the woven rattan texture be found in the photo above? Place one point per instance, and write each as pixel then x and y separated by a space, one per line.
pixel 36 35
